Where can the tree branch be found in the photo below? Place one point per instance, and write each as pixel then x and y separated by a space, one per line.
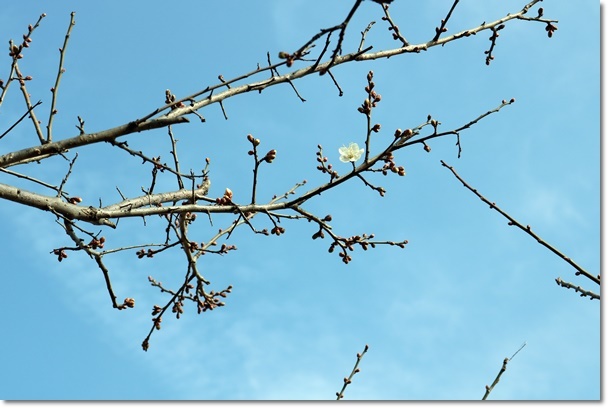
pixel 526 229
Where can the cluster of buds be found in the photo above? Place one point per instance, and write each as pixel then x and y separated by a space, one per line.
pixel 211 301
pixel 226 199
pixel 189 217
pixel 14 51
pixel 404 135
pixel 363 241
pixel 225 248
pixel 170 98
pixel 346 258
pixel 349 243
pixel 97 243
pixel 61 255
pixel 433 122
pixel 28 78
pixel 389 165
pixel 550 29
pixel 192 246
pixel 290 58
pixel 178 308
pixel 401 244
pixel 129 302
pixel 158 165
pixel 255 142
pixel 75 200
pixel 277 230
pixel 270 156
pixel 439 31
pixel 141 253
pixel 157 321
pixel 373 98
pixel 325 168
pixel 320 234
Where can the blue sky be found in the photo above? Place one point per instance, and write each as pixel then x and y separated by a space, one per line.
pixel 439 316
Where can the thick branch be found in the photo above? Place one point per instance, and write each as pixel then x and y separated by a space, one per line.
pixel 53 204
pixel 50 149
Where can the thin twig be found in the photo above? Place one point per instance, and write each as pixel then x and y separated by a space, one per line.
pixel 60 71
pixel 444 22
pixel 394 28
pixel 31 108
pixel 180 182
pixel 577 288
pixel 65 179
pixel 348 380
pixel 526 229
pixel 28 103
pixel 34 180
pixel 364 34
pixel 502 370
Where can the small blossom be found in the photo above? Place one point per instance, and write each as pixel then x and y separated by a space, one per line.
pixel 352 153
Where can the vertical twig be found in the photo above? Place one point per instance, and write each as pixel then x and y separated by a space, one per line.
pixel 180 183
pixel 61 70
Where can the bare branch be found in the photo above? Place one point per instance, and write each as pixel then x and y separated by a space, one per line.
pixel 54 89
pixel 348 380
pixel 502 370
pixel 526 229
pixel 577 288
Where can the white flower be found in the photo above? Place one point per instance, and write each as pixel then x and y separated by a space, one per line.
pixel 352 153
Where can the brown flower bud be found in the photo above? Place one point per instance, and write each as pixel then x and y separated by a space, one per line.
pixel 270 156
